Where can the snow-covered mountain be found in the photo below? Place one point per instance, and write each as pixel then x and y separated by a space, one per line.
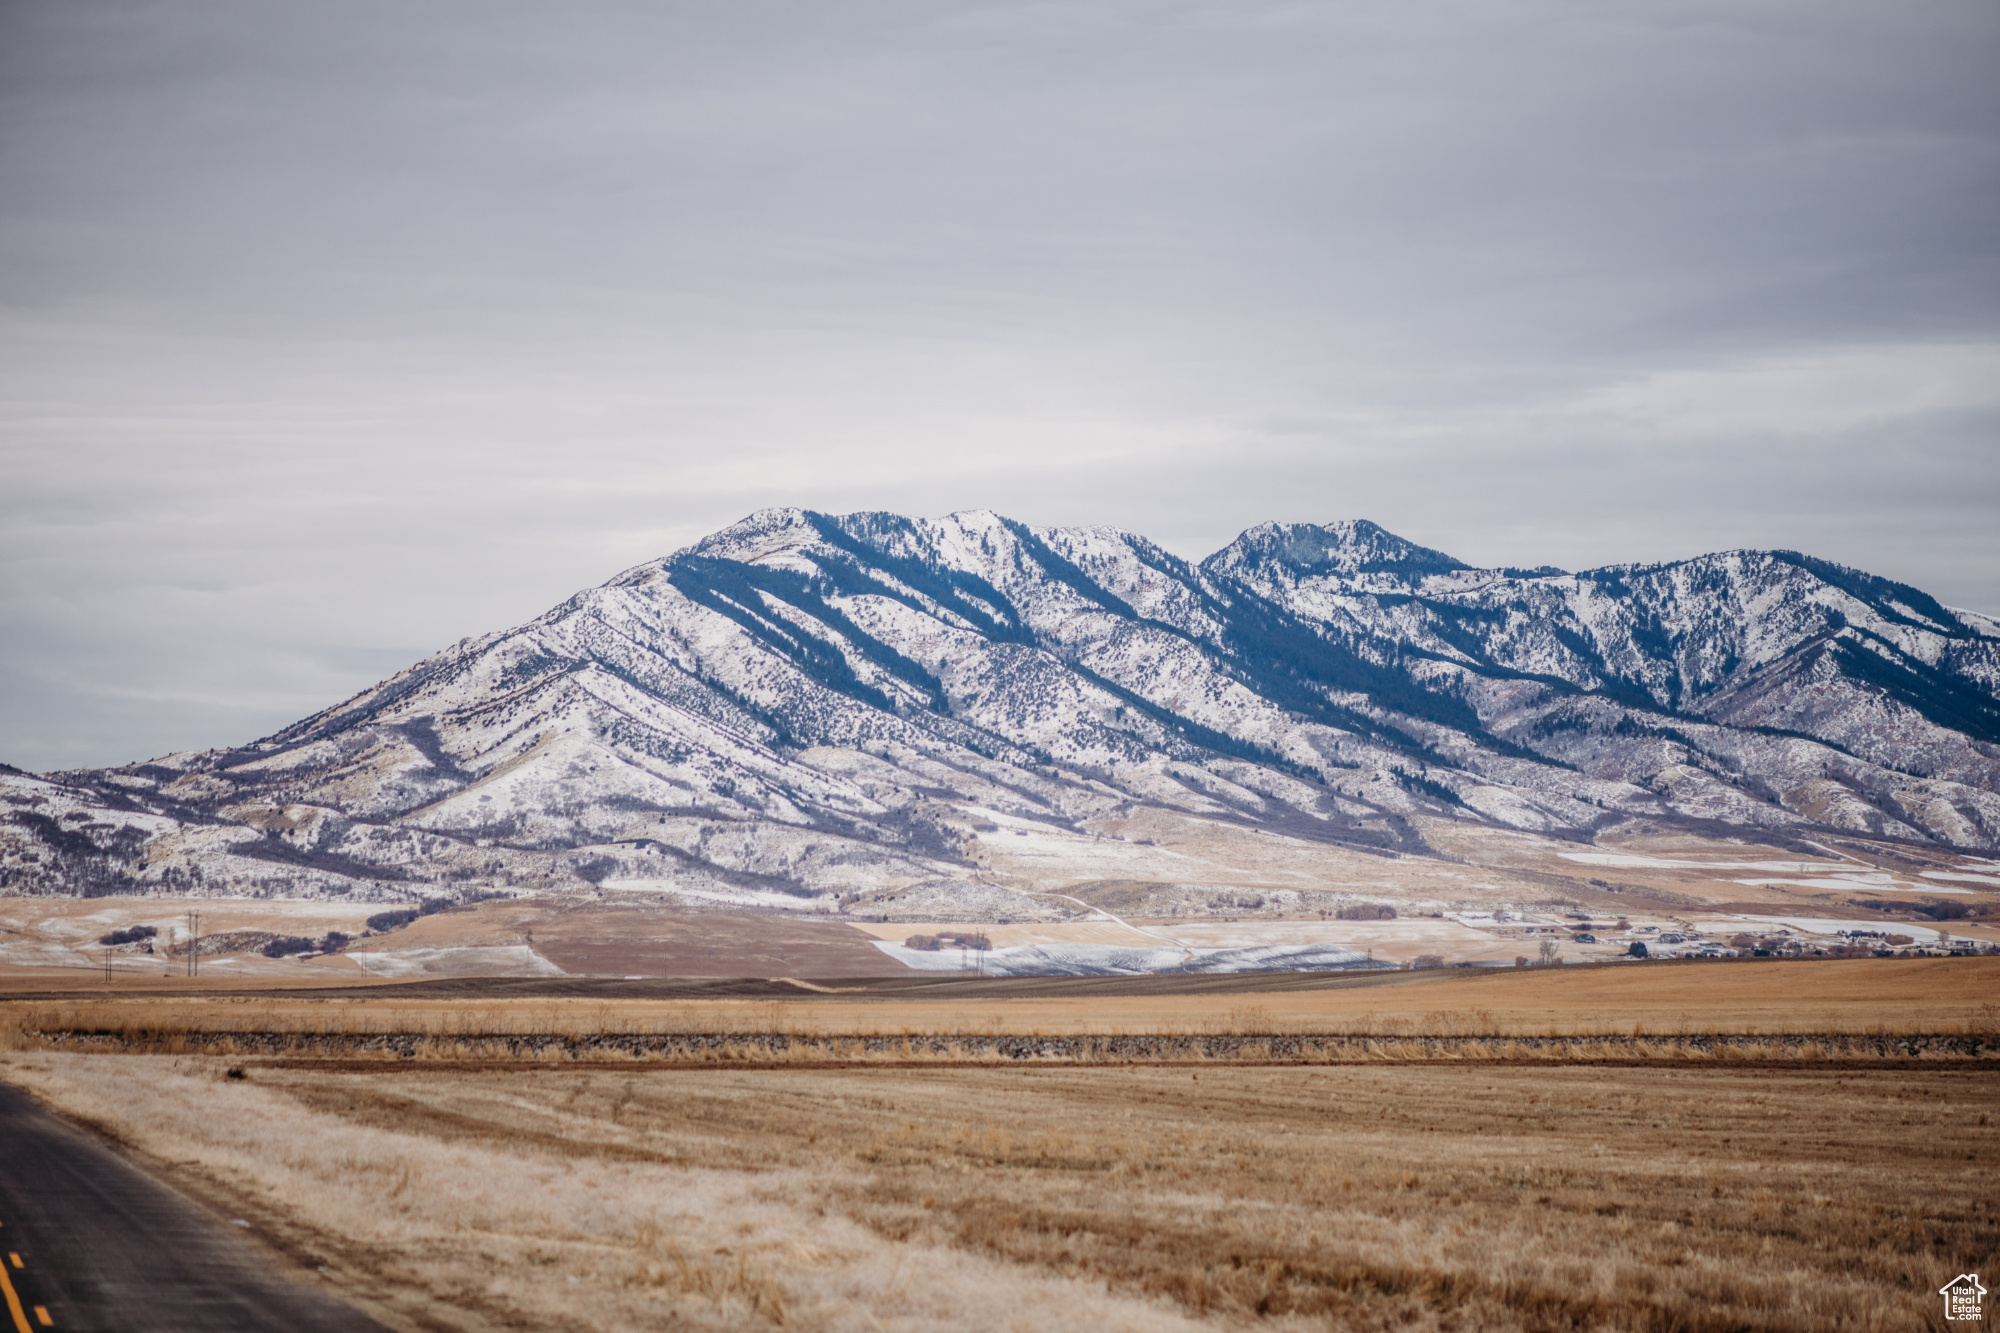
pixel 811 710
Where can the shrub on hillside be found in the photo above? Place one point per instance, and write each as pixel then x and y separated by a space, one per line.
pixel 1366 912
pixel 1942 911
pixel 948 940
pixel 398 917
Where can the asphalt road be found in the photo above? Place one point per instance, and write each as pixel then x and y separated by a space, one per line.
pixel 90 1244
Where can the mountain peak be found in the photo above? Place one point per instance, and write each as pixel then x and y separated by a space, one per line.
pixel 757 535
pixel 1348 546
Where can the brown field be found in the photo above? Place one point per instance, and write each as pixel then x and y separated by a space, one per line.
pixel 49 936
pixel 1824 996
pixel 1807 1184
pixel 1394 1197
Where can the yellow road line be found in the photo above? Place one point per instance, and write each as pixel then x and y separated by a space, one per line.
pixel 13 1299
pixel 42 1317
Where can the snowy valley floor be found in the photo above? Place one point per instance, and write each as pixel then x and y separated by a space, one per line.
pixel 1147 893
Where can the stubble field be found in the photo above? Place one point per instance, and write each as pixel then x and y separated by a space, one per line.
pixel 1817 998
pixel 1144 1197
pixel 1673 1187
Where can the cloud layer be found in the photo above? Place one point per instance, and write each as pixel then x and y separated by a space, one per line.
pixel 330 333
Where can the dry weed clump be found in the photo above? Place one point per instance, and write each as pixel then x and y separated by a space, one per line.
pixel 1368 1197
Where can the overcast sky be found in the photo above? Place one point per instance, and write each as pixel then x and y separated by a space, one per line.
pixel 332 332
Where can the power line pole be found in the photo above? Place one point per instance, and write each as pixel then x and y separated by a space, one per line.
pixel 107 965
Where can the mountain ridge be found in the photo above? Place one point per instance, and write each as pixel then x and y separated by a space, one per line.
pixel 817 710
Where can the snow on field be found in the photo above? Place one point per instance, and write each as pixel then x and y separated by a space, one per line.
pixel 1629 861
pixel 1028 960
pixel 42 953
pixel 513 960
pixel 1882 882
pixel 787 902
pixel 1833 927
pixel 1112 960
pixel 1776 874
pixel 1109 945
pixel 1284 958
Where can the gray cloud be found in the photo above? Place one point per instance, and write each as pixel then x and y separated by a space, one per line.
pixel 329 333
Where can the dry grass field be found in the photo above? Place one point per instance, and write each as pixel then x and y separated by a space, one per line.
pixel 1796 1188
pixel 1394 1197
pixel 1822 996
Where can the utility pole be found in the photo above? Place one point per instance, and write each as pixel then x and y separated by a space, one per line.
pixel 107 965
pixel 194 944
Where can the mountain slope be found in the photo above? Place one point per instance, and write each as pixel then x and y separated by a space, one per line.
pixel 809 710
